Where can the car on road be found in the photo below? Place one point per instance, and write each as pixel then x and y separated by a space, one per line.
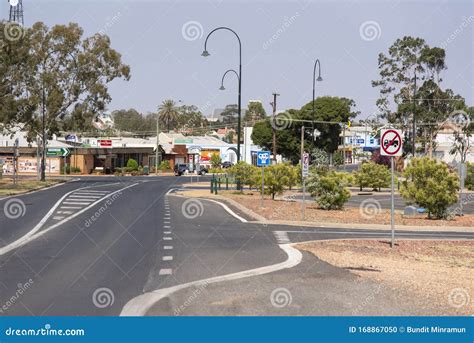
pixel 227 164
pixel 180 169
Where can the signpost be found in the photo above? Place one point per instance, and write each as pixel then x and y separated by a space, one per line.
pixel 304 174
pixel 263 159
pixel 58 152
pixel 391 145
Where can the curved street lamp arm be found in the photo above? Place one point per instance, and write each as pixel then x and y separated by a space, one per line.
pixel 228 29
pixel 228 71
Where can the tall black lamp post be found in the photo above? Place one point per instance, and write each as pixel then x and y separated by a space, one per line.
pixel 205 53
pixel 317 63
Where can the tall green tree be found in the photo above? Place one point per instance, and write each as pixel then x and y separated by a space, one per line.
pixel 254 112
pixel 230 114
pixel 129 120
pixel 69 73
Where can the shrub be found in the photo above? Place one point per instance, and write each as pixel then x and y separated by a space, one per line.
pixel 164 165
pixel 276 178
pixel 329 190
pixel 75 170
pixel 338 158
pixel 372 175
pixel 380 159
pixel 132 164
pixel 347 178
pixel 243 173
pixel 294 175
pixel 431 185
pixel 216 161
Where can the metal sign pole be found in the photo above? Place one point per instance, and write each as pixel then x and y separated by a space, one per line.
pixel 263 185
pixel 392 210
pixel 304 192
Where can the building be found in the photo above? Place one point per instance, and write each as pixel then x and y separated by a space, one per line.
pixel 358 142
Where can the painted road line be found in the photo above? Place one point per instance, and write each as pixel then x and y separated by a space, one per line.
pixel 85 196
pixel 167 222
pixel 36 233
pixel 166 227
pixel 281 237
pixel 58 218
pixel 167 232
pixel 232 213
pixel 167 258
pixel 140 305
pixel 168 247
pixel 167 238
pixel 165 272
pixel 76 203
pixel 65 212
pixel 70 208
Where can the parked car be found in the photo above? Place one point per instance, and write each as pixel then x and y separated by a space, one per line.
pixel 227 164
pixel 203 170
pixel 180 169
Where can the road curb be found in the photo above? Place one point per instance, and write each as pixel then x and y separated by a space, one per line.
pixel 38 190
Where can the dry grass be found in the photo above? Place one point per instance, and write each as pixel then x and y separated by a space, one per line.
pixel 23 186
pixel 433 273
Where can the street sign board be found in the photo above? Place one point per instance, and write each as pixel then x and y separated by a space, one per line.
pixel 57 152
pixel 105 143
pixel 263 158
pixel 305 165
pixel 391 143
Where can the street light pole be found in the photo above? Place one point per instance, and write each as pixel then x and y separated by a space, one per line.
pixel 319 79
pixel 274 105
pixel 205 53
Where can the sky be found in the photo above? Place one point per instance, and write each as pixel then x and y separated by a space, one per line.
pixel 162 41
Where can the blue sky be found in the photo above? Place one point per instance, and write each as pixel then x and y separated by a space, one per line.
pixel 162 42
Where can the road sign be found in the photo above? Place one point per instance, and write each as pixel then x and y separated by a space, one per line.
pixel 105 143
pixel 305 165
pixel 58 152
pixel 391 143
pixel 263 158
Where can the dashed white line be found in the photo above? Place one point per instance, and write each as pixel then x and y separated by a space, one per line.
pixel 70 208
pixel 167 232
pixel 167 258
pixel 168 247
pixel 75 203
pixel 166 271
pixel 65 212
pixel 58 218
pixel 167 238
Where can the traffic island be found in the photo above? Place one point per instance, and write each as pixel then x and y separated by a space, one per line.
pixel 434 273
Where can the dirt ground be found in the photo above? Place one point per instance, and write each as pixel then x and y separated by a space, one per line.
pixel 434 273
pixel 291 211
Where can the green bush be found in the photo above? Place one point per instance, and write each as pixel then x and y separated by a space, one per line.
pixel 431 185
pixel 294 175
pixel 372 175
pixel 216 160
pixel 469 180
pixel 164 165
pixel 330 191
pixel 132 164
pixel 243 173
pixel 347 178
pixel 75 170
pixel 338 158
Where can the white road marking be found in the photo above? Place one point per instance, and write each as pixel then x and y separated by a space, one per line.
pixel 75 203
pixel 70 208
pixel 166 227
pixel 168 247
pixel 167 238
pixel 167 232
pixel 35 233
pixel 281 237
pixel 165 272
pixel 232 213
pixel 167 258
pixel 139 306
pixel 65 212
pixel 85 196
pixel 58 218
pixel 167 222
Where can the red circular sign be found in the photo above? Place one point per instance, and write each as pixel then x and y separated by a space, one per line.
pixel 398 146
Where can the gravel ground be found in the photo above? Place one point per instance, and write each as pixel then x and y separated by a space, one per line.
pixel 435 273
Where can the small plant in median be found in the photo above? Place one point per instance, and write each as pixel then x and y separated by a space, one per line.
pixel 216 161
pixel 372 175
pixel 329 190
pixel 430 184
pixel 132 165
pixel 243 173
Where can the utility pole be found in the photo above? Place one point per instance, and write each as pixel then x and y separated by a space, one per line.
pixel 414 117
pixel 274 104
pixel 157 142
pixel 344 146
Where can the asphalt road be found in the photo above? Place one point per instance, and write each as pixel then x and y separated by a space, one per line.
pixel 99 242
